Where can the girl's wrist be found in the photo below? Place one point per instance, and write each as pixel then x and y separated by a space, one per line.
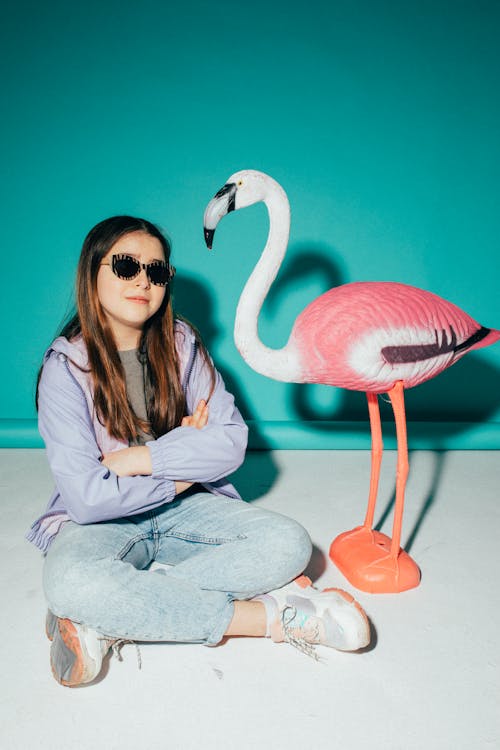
pixel 141 459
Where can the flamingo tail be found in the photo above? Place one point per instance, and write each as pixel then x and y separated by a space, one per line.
pixel 483 337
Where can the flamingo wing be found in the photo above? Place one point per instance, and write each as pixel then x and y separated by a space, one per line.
pixel 369 335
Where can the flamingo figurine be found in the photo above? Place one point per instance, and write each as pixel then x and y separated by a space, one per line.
pixel 377 337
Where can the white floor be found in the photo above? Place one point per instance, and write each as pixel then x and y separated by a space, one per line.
pixel 431 679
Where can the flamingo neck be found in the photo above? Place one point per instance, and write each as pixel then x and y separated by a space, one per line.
pixel 279 364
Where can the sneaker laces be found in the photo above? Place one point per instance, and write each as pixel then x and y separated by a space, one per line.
pixel 117 645
pixel 300 642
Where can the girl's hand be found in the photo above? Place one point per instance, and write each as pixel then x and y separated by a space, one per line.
pixel 129 462
pixel 200 417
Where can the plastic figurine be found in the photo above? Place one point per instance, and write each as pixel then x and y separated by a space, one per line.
pixel 377 337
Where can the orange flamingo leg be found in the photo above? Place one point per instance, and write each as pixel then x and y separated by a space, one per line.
pixel 370 560
pixel 377 450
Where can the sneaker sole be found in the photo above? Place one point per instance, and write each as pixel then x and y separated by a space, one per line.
pixel 72 669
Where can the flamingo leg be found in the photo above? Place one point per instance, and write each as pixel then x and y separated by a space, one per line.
pixel 398 405
pixel 370 560
pixel 377 449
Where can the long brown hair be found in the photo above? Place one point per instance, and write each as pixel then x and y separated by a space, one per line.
pixel 166 403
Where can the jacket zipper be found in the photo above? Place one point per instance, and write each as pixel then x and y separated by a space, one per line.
pixel 190 366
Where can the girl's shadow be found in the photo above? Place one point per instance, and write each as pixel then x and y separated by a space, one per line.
pixel 258 473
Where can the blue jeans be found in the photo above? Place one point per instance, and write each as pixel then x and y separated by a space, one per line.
pixel 220 550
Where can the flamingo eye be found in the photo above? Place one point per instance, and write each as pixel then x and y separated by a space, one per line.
pixel 240 183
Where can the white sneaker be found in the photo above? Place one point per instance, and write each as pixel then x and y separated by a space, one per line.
pixel 307 617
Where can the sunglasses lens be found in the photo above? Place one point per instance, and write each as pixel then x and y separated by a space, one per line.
pixel 125 267
pixel 158 273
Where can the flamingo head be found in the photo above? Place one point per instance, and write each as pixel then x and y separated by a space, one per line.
pixel 242 189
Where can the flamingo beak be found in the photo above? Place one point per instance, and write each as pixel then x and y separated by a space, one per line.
pixel 221 204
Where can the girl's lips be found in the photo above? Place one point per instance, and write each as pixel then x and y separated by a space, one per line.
pixel 139 300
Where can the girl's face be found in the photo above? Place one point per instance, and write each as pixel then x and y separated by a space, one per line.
pixel 128 304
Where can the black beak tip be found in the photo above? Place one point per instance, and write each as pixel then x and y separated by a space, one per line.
pixel 209 236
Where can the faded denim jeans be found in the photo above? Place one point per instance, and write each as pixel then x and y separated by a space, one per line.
pixel 220 550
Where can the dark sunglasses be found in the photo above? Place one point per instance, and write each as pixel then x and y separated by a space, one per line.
pixel 127 267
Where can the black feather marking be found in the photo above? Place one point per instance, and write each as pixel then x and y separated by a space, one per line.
pixel 228 189
pixel 418 352
pixel 479 335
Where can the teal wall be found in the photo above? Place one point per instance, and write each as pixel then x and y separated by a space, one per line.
pixel 380 119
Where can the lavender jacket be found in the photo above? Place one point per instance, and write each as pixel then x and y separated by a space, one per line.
pixel 88 492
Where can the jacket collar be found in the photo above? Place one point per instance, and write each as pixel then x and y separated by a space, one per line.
pixel 76 351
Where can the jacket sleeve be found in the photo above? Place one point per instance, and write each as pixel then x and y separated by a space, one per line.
pixel 206 455
pixel 89 490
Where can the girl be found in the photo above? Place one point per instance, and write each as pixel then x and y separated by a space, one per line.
pixel 140 435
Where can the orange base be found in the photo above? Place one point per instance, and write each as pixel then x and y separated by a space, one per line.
pixel 364 557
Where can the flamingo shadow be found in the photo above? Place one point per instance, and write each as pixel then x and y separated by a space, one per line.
pixel 435 400
pixel 428 502
pixel 304 261
pixel 439 400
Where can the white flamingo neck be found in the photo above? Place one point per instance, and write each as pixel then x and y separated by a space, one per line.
pixel 279 364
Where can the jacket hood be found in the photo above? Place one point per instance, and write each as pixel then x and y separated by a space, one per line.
pixel 75 350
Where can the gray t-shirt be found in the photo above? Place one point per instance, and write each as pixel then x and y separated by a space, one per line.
pixel 135 378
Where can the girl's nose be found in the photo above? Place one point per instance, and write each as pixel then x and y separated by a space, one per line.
pixel 142 280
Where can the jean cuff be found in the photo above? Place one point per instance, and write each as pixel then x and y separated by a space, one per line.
pixel 217 634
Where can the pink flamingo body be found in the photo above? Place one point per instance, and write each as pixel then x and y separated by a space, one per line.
pixel 367 336
pixel 376 337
